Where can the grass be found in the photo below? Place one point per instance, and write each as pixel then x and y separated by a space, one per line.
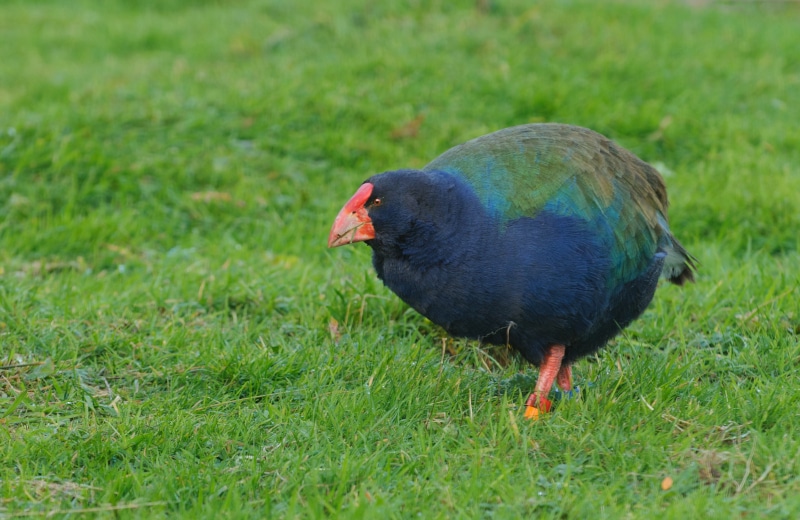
pixel 175 339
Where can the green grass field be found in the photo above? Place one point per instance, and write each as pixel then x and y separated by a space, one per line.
pixel 177 341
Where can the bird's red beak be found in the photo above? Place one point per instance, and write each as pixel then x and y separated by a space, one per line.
pixel 353 224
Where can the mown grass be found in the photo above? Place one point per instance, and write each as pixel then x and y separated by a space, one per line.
pixel 177 341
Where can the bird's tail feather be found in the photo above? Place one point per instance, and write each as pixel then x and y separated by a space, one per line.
pixel 679 266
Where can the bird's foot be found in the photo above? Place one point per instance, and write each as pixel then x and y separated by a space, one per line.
pixel 536 405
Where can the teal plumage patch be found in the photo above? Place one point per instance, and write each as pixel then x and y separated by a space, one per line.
pixel 570 171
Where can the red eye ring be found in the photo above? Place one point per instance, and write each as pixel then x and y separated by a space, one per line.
pixel 377 202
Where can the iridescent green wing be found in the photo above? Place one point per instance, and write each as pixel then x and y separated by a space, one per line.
pixel 572 171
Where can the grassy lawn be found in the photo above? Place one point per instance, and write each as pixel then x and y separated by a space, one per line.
pixel 176 340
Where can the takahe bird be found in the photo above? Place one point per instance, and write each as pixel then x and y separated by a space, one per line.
pixel 547 237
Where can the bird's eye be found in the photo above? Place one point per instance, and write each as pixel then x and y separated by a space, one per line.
pixel 377 202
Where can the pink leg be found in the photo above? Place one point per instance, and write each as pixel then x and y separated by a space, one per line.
pixel 564 377
pixel 550 368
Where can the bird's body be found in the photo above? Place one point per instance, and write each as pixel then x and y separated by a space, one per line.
pixel 547 237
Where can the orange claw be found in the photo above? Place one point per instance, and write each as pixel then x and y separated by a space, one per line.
pixel 532 413
pixel 536 405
